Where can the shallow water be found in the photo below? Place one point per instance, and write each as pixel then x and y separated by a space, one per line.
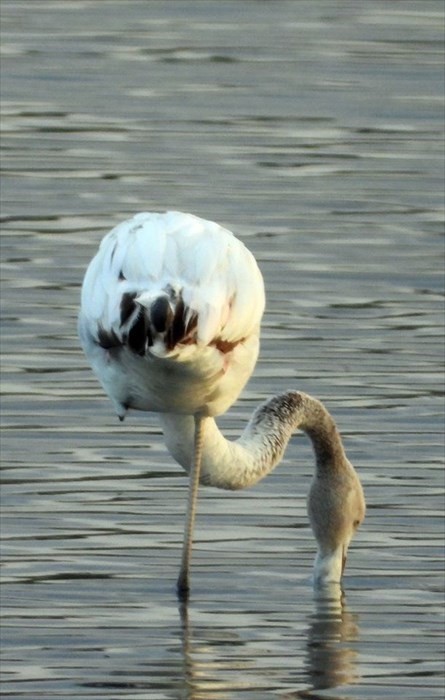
pixel 314 131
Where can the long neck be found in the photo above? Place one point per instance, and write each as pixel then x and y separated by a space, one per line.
pixel 240 463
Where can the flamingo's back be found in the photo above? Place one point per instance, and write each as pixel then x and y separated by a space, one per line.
pixel 170 313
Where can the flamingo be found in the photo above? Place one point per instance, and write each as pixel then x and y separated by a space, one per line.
pixel 170 315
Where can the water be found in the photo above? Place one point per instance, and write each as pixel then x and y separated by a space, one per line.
pixel 314 131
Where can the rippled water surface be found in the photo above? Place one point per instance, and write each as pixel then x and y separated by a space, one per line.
pixel 314 131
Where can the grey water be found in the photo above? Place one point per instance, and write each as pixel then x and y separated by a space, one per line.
pixel 314 131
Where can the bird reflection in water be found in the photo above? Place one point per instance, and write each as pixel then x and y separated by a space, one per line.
pixel 331 654
pixel 213 669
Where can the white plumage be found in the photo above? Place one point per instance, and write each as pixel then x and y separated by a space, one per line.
pixel 194 264
pixel 170 319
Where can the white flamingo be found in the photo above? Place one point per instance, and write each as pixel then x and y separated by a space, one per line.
pixel 170 316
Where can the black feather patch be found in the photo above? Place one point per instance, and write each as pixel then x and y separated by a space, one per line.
pixel 127 306
pixel 161 314
pixel 176 331
pixel 137 335
pixel 107 339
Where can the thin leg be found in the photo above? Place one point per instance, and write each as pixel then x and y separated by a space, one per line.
pixel 183 580
pixel 343 560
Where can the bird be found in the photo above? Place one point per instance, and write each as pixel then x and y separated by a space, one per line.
pixel 170 314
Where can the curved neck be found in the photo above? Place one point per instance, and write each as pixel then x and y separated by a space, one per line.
pixel 240 463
